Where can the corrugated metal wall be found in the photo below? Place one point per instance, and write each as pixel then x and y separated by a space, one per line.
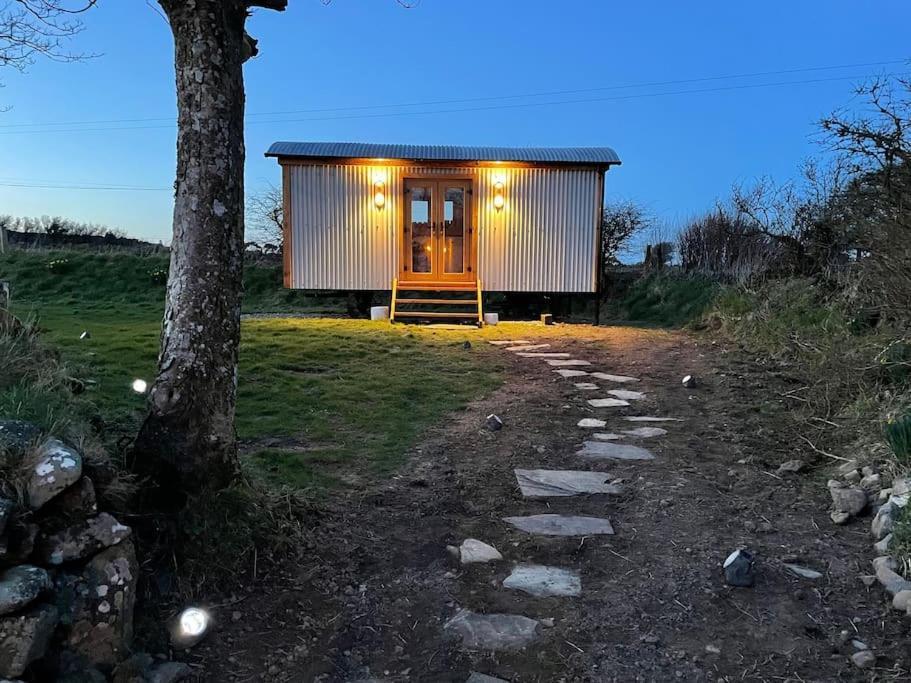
pixel 543 240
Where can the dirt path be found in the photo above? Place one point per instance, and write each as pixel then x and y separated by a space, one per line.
pixel 379 585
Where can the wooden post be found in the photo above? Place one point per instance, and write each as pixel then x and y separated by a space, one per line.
pixel 4 295
pixel 2 239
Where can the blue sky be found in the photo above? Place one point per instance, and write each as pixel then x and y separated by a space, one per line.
pixel 680 151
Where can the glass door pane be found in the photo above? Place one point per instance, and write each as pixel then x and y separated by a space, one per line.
pixel 421 229
pixel 453 232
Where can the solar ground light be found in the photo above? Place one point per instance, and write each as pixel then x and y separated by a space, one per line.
pixel 190 627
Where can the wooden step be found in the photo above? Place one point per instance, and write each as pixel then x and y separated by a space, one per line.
pixel 438 286
pixel 433 314
pixel 441 302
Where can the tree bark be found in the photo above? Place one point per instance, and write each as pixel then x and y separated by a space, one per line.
pixel 189 431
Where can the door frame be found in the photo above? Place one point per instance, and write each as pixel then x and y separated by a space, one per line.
pixel 403 244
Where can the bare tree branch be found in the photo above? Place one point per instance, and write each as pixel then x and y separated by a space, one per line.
pixel 33 28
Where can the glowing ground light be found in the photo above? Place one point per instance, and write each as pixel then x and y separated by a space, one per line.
pixel 140 386
pixel 193 622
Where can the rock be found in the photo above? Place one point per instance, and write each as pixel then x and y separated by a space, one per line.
pixel 542 581
pixel 848 466
pixel 168 672
pixel 882 547
pixel 689 381
pixel 556 483
pixel 627 395
pixel 848 499
pixel 868 579
pixel 473 551
pixel 739 570
pixel 97 605
pixel 902 600
pixel 20 586
pixel 562 363
pixel 561 525
pixel 607 436
pixel 884 495
pixel 494 423
pixel 17 437
pixel 586 386
pixel 607 402
pixel 859 644
pixel 82 540
pixel 651 418
pixel 620 379
pixel 6 512
pixel 871 482
pixel 803 572
pixel 852 477
pixel 887 577
pixel 883 521
pixel 791 467
pixel 76 502
pixel 598 450
pixel 475 677
pixel 863 659
pixel 590 423
pixel 24 638
pixel 645 432
pixel 901 487
pixel 571 373
pixel 495 632
pixel 58 467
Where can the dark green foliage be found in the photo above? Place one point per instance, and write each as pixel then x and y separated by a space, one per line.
pixel 898 436
pixel 668 299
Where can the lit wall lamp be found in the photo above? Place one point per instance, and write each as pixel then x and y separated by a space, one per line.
pixel 379 193
pixel 498 199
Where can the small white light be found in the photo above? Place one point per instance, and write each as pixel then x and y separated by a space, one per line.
pixel 193 622
pixel 140 386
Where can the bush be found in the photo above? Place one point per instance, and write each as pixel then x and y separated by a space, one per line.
pixel 668 299
pixel 898 436
pixel 60 265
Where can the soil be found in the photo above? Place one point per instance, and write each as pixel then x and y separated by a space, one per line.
pixel 377 584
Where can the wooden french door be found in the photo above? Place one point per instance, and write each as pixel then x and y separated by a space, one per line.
pixel 437 232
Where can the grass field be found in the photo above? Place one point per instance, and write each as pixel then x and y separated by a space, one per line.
pixel 318 399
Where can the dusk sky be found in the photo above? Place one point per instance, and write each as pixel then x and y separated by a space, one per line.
pixel 639 77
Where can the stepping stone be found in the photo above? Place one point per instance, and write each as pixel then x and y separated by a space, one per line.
pixel 534 354
pixel 614 378
pixel 564 363
pixel 561 525
pixel 528 347
pixel 607 436
pixel 554 483
pixel 644 418
pixel 804 572
pixel 625 394
pixel 473 551
pixel 514 342
pixel 543 582
pixel 607 402
pixel 590 423
pixel 571 373
pixel 645 432
pixel 493 631
pixel 475 677
pixel 585 386
pixel 600 450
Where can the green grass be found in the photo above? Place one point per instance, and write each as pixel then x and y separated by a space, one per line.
pixel 668 300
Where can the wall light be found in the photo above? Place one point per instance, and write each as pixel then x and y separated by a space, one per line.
pixel 379 193
pixel 498 199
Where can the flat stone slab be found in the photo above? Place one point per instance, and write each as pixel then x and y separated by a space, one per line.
pixel 528 347
pixel 598 450
pixel 803 572
pixel 473 551
pixel 493 631
pixel 544 582
pixel 626 394
pixel 475 677
pixel 513 342
pixel 649 418
pixel 620 379
pixel 645 432
pixel 561 525
pixel 607 402
pixel 568 362
pixel 571 373
pixel 544 354
pixel 607 436
pixel 553 483
pixel 585 386
pixel 591 423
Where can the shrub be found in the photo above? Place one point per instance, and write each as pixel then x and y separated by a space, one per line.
pixel 159 276
pixel 59 265
pixel 898 436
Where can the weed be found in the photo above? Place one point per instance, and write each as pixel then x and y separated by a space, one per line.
pixel 898 436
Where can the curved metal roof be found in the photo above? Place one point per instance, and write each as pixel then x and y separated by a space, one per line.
pixel 600 156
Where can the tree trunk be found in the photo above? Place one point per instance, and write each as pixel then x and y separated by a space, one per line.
pixel 189 431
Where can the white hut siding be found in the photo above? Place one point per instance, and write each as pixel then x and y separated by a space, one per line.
pixel 543 240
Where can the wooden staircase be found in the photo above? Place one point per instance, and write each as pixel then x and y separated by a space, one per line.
pixel 437 301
